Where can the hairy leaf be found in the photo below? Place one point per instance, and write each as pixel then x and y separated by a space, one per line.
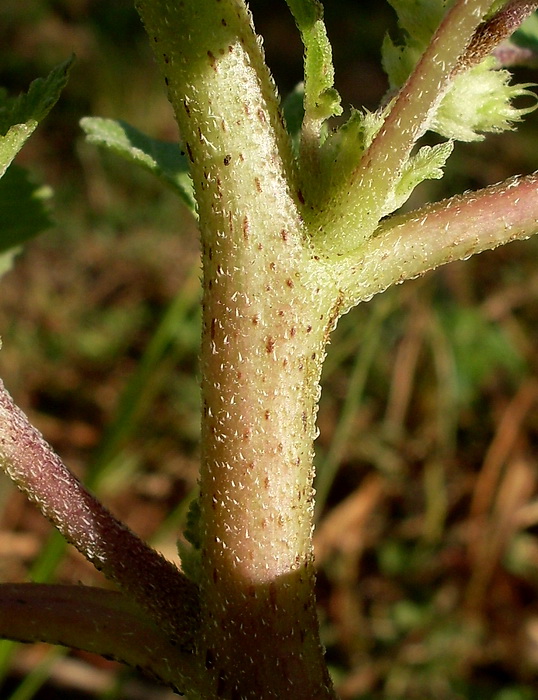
pixel 344 147
pixel 479 101
pixel 164 159
pixel 19 116
pixel 418 20
pixel 321 99
pixel 427 164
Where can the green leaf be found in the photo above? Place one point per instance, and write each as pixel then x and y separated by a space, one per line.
pixel 23 211
pixel 480 100
pixel 162 158
pixel 293 109
pixel 321 99
pixel 192 528
pixel 19 116
pixel 427 164
pixel 418 20
pixel 190 550
pixel 343 148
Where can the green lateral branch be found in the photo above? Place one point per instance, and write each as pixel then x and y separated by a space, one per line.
pixel 354 213
pixel 409 245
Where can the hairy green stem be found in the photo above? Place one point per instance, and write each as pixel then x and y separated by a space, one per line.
pixel 411 244
pixel 265 320
pixel 354 212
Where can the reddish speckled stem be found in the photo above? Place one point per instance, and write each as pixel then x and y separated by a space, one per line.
pixel 92 619
pixel 266 314
pixel 152 581
pixel 499 27
pixel 411 244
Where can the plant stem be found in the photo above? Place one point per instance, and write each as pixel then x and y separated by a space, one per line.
pixel 353 214
pixel 409 245
pixel 265 322
pixel 499 27
pixel 93 619
pixel 168 596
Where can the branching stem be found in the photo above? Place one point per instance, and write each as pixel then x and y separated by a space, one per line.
pixel 354 213
pixel 162 590
pixel 411 244
pixel 96 620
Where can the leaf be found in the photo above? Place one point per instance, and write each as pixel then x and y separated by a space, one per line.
pixel 19 116
pixel 343 148
pixel 418 20
pixel 479 101
pixel 162 158
pixel 321 99
pixel 190 550
pixel 427 164
pixel 23 210
pixel 293 109
pixel 192 528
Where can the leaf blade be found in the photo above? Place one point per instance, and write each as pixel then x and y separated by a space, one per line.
pixel 164 159
pixel 23 210
pixel 20 116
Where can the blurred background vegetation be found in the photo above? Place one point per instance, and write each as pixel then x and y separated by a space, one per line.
pixel 427 536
